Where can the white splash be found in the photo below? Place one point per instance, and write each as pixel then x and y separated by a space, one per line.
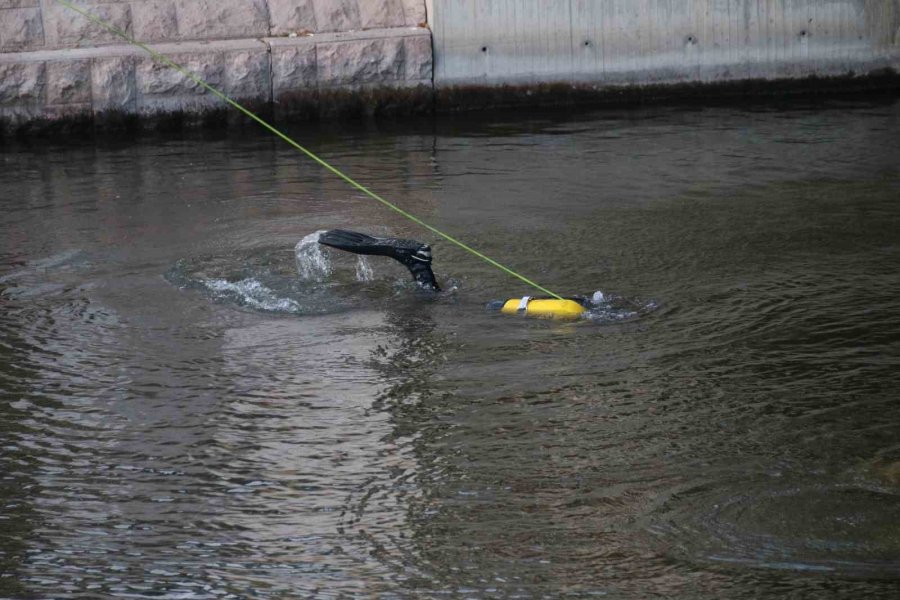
pixel 364 270
pixel 254 294
pixel 312 263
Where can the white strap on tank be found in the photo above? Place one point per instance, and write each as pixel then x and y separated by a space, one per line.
pixel 523 304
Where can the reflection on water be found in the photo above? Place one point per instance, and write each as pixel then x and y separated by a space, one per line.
pixel 184 414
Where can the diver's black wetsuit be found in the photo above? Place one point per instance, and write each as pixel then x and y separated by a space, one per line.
pixel 413 255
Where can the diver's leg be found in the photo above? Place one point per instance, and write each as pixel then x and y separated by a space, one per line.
pixel 414 255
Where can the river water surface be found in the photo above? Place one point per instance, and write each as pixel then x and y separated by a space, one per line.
pixel 188 411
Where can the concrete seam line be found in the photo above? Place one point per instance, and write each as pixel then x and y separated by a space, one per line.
pixel 271 60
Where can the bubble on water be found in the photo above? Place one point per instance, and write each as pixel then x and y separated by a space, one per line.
pixel 312 263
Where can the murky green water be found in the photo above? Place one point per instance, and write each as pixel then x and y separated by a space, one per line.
pixel 183 416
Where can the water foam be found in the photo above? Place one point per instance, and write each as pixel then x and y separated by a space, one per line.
pixel 364 270
pixel 609 308
pixel 312 263
pixel 254 294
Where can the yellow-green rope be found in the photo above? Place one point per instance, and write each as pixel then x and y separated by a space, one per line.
pixel 283 136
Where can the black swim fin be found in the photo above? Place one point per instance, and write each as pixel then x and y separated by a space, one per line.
pixel 413 255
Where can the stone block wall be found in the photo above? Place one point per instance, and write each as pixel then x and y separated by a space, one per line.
pixel 46 24
pixel 55 63
pixel 318 56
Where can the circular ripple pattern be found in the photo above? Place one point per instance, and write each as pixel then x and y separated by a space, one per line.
pixel 850 528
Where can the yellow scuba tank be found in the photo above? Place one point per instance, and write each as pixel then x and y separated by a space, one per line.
pixel 547 308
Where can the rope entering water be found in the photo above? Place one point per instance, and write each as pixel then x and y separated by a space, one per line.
pixel 157 56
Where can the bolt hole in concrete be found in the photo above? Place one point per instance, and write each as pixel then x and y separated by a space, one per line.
pixel 484 48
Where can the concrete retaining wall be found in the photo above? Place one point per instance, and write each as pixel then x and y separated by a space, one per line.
pixel 318 55
pixel 640 42
pixel 55 63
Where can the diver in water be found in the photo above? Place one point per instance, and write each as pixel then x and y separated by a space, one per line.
pixel 416 257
